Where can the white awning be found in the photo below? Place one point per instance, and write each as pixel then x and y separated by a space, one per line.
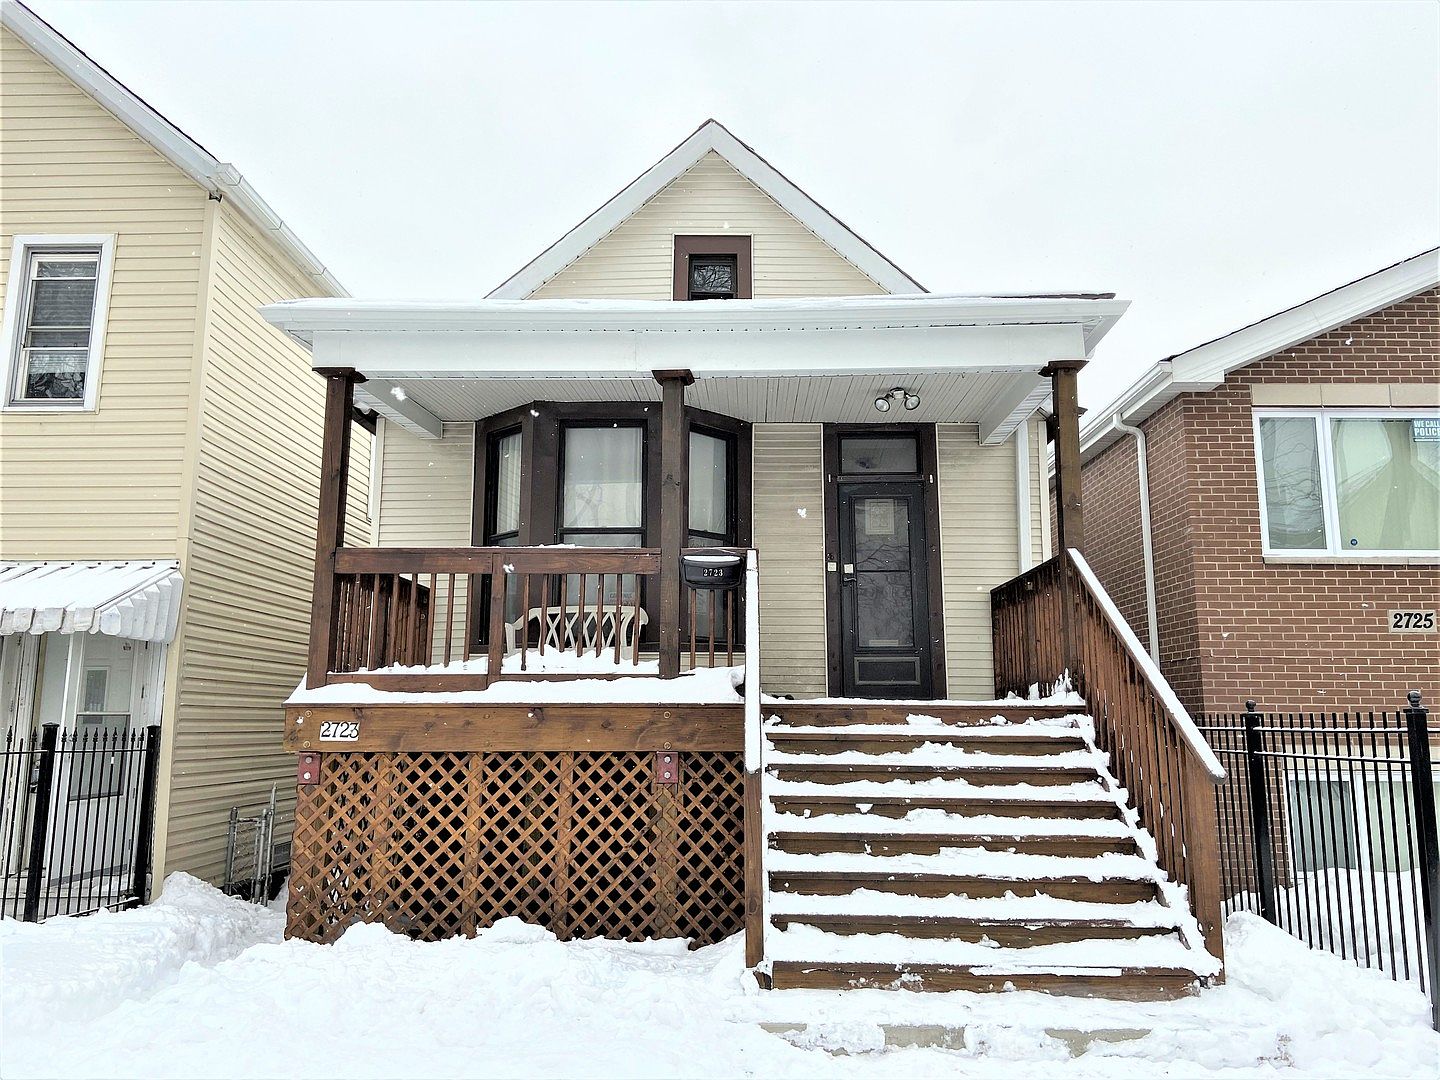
pixel 138 599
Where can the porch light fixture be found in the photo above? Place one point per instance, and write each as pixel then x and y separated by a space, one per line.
pixel 900 394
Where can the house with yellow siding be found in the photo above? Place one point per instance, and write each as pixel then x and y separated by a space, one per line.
pixel 159 474
pixel 712 592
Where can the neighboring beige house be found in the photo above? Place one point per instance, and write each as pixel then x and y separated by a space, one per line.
pixel 159 444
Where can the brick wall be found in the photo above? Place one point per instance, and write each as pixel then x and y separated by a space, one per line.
pixel 1293 636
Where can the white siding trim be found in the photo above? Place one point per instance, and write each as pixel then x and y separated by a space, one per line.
pixel 1022 495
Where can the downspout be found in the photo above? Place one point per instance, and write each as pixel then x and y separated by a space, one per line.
pixel 1142 468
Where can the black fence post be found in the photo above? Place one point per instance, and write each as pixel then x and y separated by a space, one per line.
pixel 145 831
pixel 1422 791
pixel 1261 841
pixel 40 822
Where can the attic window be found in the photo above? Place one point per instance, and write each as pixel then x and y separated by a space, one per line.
pixel 712 268
pixel 712 277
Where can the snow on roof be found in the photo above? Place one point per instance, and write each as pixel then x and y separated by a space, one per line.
pixel 137 599
pixel 1097 312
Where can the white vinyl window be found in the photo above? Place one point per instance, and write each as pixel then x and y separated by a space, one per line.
pixel 55 307
pixel 1349 482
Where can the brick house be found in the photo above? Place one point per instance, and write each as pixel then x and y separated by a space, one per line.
pixel 1290 512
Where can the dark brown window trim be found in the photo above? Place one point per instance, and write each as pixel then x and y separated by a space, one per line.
pixel 929 477
pixel 719 244
pixel 540 424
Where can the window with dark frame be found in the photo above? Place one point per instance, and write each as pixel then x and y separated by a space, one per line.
pixel 879 455
pixel 712 267
pixel 588 482
pixel 711 512
pixel 712 277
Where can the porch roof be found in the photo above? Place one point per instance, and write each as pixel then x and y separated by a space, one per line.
pixel 137 599
pixel 971 359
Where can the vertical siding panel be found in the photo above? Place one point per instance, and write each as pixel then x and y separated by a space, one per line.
pixel 979 549
pixel 788 469
pixel 249 575
pixel 636 260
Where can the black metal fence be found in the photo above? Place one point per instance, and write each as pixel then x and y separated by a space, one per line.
pixel 77 811
pixel 1328 830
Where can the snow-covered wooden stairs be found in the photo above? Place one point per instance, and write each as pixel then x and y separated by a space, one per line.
pixel 961 847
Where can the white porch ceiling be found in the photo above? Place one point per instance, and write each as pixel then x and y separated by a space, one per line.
pixel 956 397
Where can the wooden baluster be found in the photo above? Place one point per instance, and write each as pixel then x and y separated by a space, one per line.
pixel 495 654
pixel 564 625
pixel 619 588
pixel 544 611
pixel 691 605
pixel 711 599
pixel 392 620
pixel 729 628
pixel 580 620
pixel 371 653
pixel 468 620
pixel 434 621
pixel 525 619
pixel 599 614
pixel 635 624
pixel 449 616
pixel 413 633
pixel 342 608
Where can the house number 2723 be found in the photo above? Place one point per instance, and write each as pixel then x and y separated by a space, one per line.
pixel 339 731
pixel 1412 621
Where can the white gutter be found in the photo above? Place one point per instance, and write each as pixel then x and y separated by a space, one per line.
pixel 1147 546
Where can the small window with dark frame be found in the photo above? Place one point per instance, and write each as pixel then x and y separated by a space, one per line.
pixel 884 455
pixel 502 519
pixel 711 514
pixel 713 277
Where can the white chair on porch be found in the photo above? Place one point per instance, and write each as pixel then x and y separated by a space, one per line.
pixel 565 630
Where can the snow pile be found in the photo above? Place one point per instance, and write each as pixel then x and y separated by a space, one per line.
pixel 75 968
pixel 122 997
pixel 1373 916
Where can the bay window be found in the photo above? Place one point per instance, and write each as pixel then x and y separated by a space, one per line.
pixel 602 486
pixel 1349 482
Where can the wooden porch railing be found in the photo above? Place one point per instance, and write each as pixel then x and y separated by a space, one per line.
pixel 1057 618
pixel 417 619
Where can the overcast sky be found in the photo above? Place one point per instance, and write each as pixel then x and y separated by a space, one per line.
pixel 1212 163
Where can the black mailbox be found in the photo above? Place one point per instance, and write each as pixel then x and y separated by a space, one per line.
pixel 712 569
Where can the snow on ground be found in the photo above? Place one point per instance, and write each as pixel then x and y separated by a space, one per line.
pixel 201 985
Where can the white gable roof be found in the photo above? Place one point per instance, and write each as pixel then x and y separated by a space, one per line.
pixel 709 136
pixel 1206 366
pixel 192 159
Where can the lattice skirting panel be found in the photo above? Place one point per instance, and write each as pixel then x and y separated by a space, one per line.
pixel 435 845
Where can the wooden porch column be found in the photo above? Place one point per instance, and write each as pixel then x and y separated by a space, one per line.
pixel 1069 510
pixel 674 494
pixel 330 523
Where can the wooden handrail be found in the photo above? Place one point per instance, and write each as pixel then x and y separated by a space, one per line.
pixel 1176 713
pixel 479 560
pixel 1057 620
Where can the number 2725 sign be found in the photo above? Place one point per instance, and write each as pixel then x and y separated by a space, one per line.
pixel 1412 621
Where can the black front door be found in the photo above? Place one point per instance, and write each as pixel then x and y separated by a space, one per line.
pixel 884 590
